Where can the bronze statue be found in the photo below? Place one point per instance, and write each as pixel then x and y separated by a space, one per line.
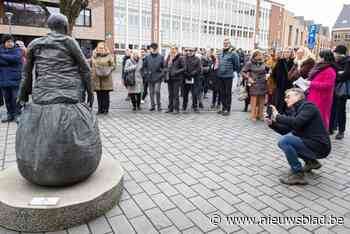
pixel 57 141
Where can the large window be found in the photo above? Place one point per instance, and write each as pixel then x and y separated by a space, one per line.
pixel 26 14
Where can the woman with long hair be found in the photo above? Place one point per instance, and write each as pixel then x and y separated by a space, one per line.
pixel 321 83
pixel 303 63
pixel 102 67
pixel 254 72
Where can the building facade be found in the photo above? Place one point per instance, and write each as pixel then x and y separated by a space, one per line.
pixel 276 26
pixel 341 28
pixel 29 21
pixel 195 23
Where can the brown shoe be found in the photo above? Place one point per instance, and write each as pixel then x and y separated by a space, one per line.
pixel 294 179
pixel 311 165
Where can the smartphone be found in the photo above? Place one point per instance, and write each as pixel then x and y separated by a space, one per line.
pixel 269 111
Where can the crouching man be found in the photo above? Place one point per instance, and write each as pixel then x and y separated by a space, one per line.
pixel 304 136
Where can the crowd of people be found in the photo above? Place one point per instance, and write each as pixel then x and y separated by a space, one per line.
pixel 297 95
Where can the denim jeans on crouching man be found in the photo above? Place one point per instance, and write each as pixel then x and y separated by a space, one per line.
pixel 294 148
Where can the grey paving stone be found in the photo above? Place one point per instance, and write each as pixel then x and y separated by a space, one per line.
pixel 163 202
pixel 143 225
pixel 144 201
pixel 193 230
pixel 82 229
pixel 114 212
pixel 203 205
pixel 149 188
pixel 170 230
pixel 222 205
pixel 130 208
pixel 155 178
pixel 299 230
pixel 182 203
pixel 273 203
pixel 185 190
pixel 158 218
pixel 180 220
pixel 167 189
pixel 201 221
pixel 99 226
pixel 203 191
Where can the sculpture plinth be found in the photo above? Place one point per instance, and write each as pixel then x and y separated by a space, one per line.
pixel 78 204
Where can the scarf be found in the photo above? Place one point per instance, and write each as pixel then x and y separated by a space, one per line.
pixel 319 67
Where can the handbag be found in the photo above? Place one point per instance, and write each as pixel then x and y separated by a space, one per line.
pixel 342 89
pixel 130 79
pixel 243 93
pixel 104 71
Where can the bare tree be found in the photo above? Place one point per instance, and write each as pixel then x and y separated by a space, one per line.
pixel 70 8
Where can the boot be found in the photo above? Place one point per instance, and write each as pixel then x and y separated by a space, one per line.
pixel 339 136
pixel 311 165
pixel 294 179
pixel 9 118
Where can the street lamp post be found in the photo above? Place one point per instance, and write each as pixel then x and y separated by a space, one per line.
pixel 9 16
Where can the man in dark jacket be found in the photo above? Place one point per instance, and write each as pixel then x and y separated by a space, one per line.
pixel 10 75
pixel 176 67
pixel 228 64
pixel 153 68
pixel 338 116
pixel 125 58
pixel 304 135
pixel 192 79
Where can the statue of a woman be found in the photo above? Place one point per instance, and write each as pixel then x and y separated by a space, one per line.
pixel 57 141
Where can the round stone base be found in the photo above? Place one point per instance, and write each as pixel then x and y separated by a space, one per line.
pixel 78 204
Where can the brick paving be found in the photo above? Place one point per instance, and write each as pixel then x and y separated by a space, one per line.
pixel 181 170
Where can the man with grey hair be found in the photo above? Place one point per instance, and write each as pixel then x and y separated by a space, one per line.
pixel 304 135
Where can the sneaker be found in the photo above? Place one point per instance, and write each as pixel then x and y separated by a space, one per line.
pixel 142 101
pixel 226 113
pixel 294 179
pixel 152 109
pixel 339 136
pixel 311 165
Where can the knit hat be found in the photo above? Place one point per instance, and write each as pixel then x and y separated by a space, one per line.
pixel 341 49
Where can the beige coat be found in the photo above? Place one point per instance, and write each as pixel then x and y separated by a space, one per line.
pixel 133 66
pixel 102 83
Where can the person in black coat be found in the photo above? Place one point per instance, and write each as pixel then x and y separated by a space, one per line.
pixel 176 67
pixel 125 58
pixel 338 115
pixel 280 77
pixel 304 135
pixel 192 79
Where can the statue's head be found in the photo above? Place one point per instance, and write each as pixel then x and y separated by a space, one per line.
pixel 58 23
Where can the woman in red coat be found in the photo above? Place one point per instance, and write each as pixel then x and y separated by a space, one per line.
pixel 321 85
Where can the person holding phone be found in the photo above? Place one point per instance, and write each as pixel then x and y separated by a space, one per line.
pixel 303 135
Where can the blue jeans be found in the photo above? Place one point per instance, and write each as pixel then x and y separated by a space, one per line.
pixel 10 95
pixel 294 148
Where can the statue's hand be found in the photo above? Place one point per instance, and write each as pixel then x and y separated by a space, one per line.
pixel 90 99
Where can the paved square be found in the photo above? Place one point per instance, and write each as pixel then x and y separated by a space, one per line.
pixel 181 170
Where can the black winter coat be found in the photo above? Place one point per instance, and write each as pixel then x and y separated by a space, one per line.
pixel 193 67
pixel 177 68
pixel 343 70
pixel 153 68
pixel 305 121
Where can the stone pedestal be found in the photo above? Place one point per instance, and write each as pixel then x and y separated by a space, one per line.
pixel 78 204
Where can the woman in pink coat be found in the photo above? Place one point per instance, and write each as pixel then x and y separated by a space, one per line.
pixel 321 85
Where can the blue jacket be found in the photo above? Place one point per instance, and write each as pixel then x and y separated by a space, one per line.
pixel 228 64
pixel 10 67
